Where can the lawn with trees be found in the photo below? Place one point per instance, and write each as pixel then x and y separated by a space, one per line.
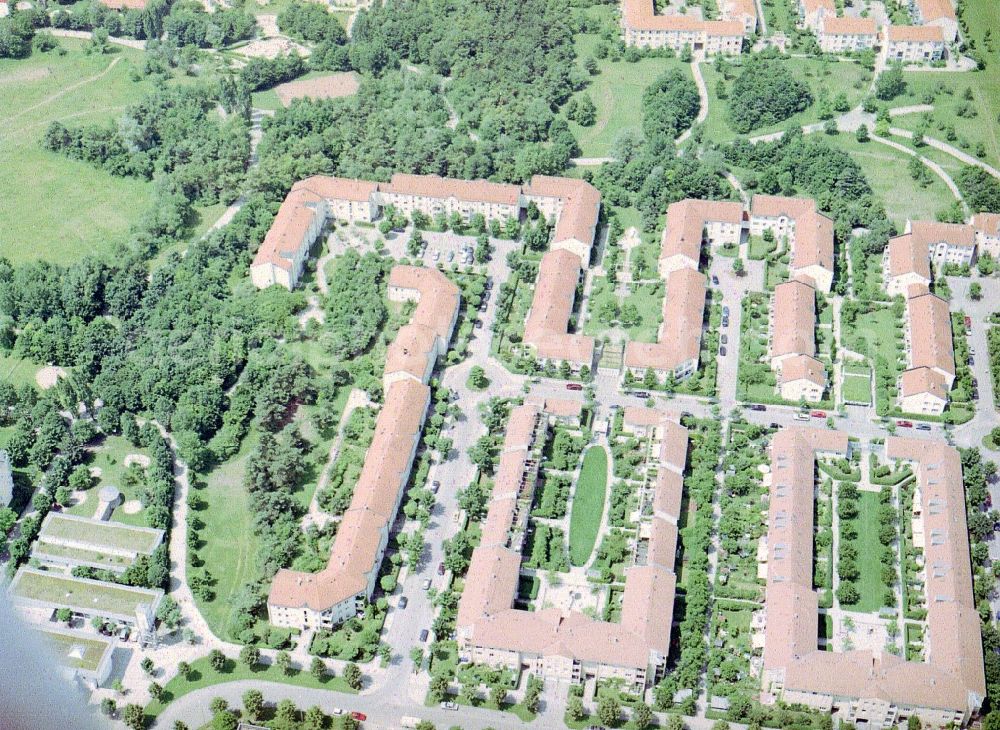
pixel 77 209
pixel 587 506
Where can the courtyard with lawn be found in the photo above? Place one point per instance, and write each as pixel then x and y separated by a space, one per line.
pixel 587 506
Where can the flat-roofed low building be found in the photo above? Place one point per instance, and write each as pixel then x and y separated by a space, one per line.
pixel 846 34
pixel 947 243
pixel 914 43
pixel 6 479
pixel 546 330
pixel 85 657
pixel 905 264
pixel 40 593
pixel 987 228
pixel 70 541
pixel 644 28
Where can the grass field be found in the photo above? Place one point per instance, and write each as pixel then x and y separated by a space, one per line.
pixel 228 540
pixel 857 389
pixel 822 77
pixel 616 91
pixel 588 505
pixel 202 675
pixel 65 646
pixel 985 86
pixel 887 173
pixel 60 209
pixel 16 370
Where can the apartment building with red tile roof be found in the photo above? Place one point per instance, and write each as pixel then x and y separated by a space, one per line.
pixel 865 686
pixel 987 228
pixel 846 34
pixel 930 356
pixel 745 11
pixel 547 327
pixel 690 223
pixel 947 243
pixel 564 644
pixel 573 206
pixel 811 11
pixel 677 349
pixel 936 12
pixel 322 600
pixel 809 234
pixel 914 43
pixel 792 326
pixel 905 263
pixel 643 27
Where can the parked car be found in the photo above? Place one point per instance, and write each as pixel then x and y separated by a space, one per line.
pixel 574 386
pixel 479 324
pixel 972 360
pixel 722 351
pixel 440 568
pixel 758 407
pixel 436 255
pixel 724 339
pixel 923 427
pixel 359 716
pixel 775 425
pixel 968 321
pixel 801 416
pixel 435 485
pixel 725 321
pixel 818 414
pixel 451 256
pixel 904 424
pixel 449 706
pixel 715 279
pixel 641 394
pixel 336 711
pixel 403 602
pixel 426 584
pixel 424 633
pixel 975 394
pixel 725 311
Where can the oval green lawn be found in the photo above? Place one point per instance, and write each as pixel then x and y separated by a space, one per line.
pixel 588 505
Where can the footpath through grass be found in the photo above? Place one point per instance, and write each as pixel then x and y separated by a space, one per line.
pixel 203 675
pixel 61 210
pixel 588 505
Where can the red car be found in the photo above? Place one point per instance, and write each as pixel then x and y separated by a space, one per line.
pixel 359 716
pixel 574 386
pixel 968 321
pixel 904 424
pixel 818 414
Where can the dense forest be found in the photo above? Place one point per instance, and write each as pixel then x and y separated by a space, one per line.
pixel 765 93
